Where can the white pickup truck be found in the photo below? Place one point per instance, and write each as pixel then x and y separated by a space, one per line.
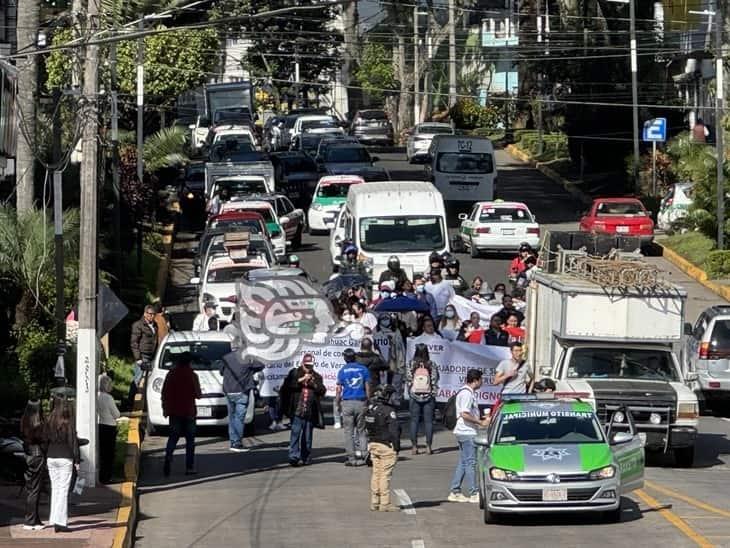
pixel 618 346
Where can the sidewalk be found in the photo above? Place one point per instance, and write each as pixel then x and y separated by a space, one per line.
pixel 92 519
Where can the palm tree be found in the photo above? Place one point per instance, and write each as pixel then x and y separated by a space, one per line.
pixel 165 148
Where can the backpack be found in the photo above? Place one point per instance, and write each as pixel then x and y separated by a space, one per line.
pixel 449 417
pixel 421 381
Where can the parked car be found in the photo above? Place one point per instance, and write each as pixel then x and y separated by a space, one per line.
pixel 296 176
pixel 192 189
pixel 330 194
pixel 420 137
pixel 313 124
pixel 707 353
pixel 498 226
pixel 372 127
pixel 267 211
pixel 619 216
pixel 675 205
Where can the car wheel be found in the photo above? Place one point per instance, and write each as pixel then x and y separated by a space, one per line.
pixel 473 251
pixel 297 241
pixel 613 516
pixel 684 457
pixel 489 517
pixel 481 499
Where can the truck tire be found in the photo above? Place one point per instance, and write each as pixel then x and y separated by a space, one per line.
pixel 473 251
pixel 684 457
pixel 613 516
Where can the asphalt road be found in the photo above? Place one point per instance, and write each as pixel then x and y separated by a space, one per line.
pixel 255 499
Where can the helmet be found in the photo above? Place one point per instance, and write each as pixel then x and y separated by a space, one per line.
pixel 524 246
pixel 393 263
pixel 350 248
pixel 453 263
pixel 435 258
pixel 349 355
pixel 383 392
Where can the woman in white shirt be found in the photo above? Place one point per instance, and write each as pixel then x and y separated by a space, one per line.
pixel 450 323
pixel 108 414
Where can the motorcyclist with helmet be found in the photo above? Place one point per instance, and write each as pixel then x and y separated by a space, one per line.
pixel 436 261
pixel 350 263
pixel 394 273
pixel 452 276
pixel 381 422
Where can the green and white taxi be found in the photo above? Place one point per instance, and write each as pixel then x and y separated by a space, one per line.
pixel 550 454
pixel 498 226
pixel 330 194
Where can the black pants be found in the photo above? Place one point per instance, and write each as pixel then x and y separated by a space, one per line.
pixel 181 427
pixel 33 481
pixel 107 444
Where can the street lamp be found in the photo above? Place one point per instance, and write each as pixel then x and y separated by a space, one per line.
pixel 634 87
pixel 416 92
pixel 719 150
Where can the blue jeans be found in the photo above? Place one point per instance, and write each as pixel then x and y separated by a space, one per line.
pixel 416 408
pixel 300 440
pixel 237 404
pixel 182 427
pixel 466 468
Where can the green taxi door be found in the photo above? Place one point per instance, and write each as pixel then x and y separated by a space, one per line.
pixel 628 451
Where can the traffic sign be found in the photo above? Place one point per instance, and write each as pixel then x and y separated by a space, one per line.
pixel 655 130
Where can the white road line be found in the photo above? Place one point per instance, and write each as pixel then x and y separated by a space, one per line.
pixel 418 543
pixel 405 502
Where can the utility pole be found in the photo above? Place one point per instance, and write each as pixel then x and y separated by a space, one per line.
pixel 86 366
pixel 60 369
pixel 416 94
pixel 452 53
pixel 115 163
pixel 140 131
pixel 539 86
pixel 634 93
pixel 719 97
pixel 27 30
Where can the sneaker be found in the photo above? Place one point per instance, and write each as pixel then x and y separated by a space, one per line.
pixel 274 426
pixel 280 427
pixel 239 449
pixel 33 527
pixel 294 463
pixel 474 499
pixel 457 497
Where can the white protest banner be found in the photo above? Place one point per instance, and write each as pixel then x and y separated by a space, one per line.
pixel 327 362
pixel 464 308
pixel 454 359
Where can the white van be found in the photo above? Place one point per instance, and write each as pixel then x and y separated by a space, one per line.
pixel 407 219
pixel 462 168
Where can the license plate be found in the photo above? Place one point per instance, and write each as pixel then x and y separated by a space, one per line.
pixel 622 229
pixel 508 231
pixel 373 124
pixel 555 494
pixel 205 411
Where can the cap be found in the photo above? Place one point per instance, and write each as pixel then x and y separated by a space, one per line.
pixel 308 359
pixel 388 285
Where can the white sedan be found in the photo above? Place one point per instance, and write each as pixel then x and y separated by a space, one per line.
pixel 498 226
pixel 330 194
pixel 419 140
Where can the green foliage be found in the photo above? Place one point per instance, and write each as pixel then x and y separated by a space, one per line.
pixel 165 148
pixel 120 450
pixel 555 145
pixel 469 114
pixel 665 174
pixel 376 72
pixel 693 246
pixel 121 369
pixel 13 390
pixel 36 351
pixel 717 264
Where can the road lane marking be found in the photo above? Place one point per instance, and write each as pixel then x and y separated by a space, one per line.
pixel 418 543
pixel 405 502
pixel 674 519
pixel 689 500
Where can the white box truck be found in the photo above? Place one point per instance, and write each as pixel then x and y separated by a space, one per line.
pixel 619 347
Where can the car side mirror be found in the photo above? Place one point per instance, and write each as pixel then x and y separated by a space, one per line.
pixel 481 441
pixel 463 216
pixel 620 438
pixel 194 281
pixel 687 328
pixel 692 376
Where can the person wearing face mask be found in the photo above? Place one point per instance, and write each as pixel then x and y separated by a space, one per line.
pixel 363 317
pixel 454 278
pixel 441 291
pixel 393 273
pixel 450 323
pixel 500 290
pixel 478 290
pixel 419 284
pixel 394 353
pixel 386 291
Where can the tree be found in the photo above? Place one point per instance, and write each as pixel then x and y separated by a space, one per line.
pixel 27 30
pixel 375 72
pixel 165 148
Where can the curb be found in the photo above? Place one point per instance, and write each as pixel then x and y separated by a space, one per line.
pixel 550 173
pixel 127 511
pixel 694 272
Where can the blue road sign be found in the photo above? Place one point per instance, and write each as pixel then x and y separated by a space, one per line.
pixel 655 130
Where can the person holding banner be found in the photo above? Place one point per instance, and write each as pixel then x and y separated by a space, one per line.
pixel 422 380
pixel 514 332
pixel 514 373
pixel 495 335
pixel 353 390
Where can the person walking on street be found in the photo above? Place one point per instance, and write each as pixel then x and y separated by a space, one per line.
pixel 207 320
pixel 353 390
pixel 514 373
pixel 143 344
pixel 301 395
pixel 163 322
pixel 383 431
pixel 108 414
pixel 238 382
pixel 468 420
pixel 31 429
pixel 396 353
pixel 422 379
pixel 179 392
pixel 373 361
pixel 62 457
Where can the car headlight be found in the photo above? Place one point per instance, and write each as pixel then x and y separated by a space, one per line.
pixel 157 384
pixel 190 195
pixel 498 474
pixel 317 207
pixel 688 411
pixel 607 472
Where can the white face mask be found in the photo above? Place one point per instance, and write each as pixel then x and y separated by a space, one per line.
pixel 449 313
pixel 498 295
pixel 420 288
pixel 385 294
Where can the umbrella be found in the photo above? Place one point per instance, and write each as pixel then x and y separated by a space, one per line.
pixel 402 304
pixel 335 286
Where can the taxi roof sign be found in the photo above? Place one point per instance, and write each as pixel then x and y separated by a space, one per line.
pixel 236 244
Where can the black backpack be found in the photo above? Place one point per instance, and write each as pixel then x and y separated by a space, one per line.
pixel 449 417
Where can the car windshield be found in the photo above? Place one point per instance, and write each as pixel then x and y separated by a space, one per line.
pixel 504 215
pixel 266 213
pixel 720 338
pixel 611 363
pixel 435 130
pixel 235 137
pixel 318 124
pixel 234 151
pixel 401 234
pixel 543 426
pixel 373 115
pixel 252 225
pixel 229 274
pixel 206 356
pixel 242 186
pixel 464 162
pixel 333 191
pixel 241 114
pixel 255 247
pixel 347 155
pixel 620 208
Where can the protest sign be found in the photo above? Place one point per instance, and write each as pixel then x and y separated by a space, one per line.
pixel 464 308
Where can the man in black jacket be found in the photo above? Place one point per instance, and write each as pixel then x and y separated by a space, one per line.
pixel 143 344
pixel 381 423
pixel 372 360
pixel 238 382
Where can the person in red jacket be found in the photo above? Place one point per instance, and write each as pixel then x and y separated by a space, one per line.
pixel 518 265
pixel 179 392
